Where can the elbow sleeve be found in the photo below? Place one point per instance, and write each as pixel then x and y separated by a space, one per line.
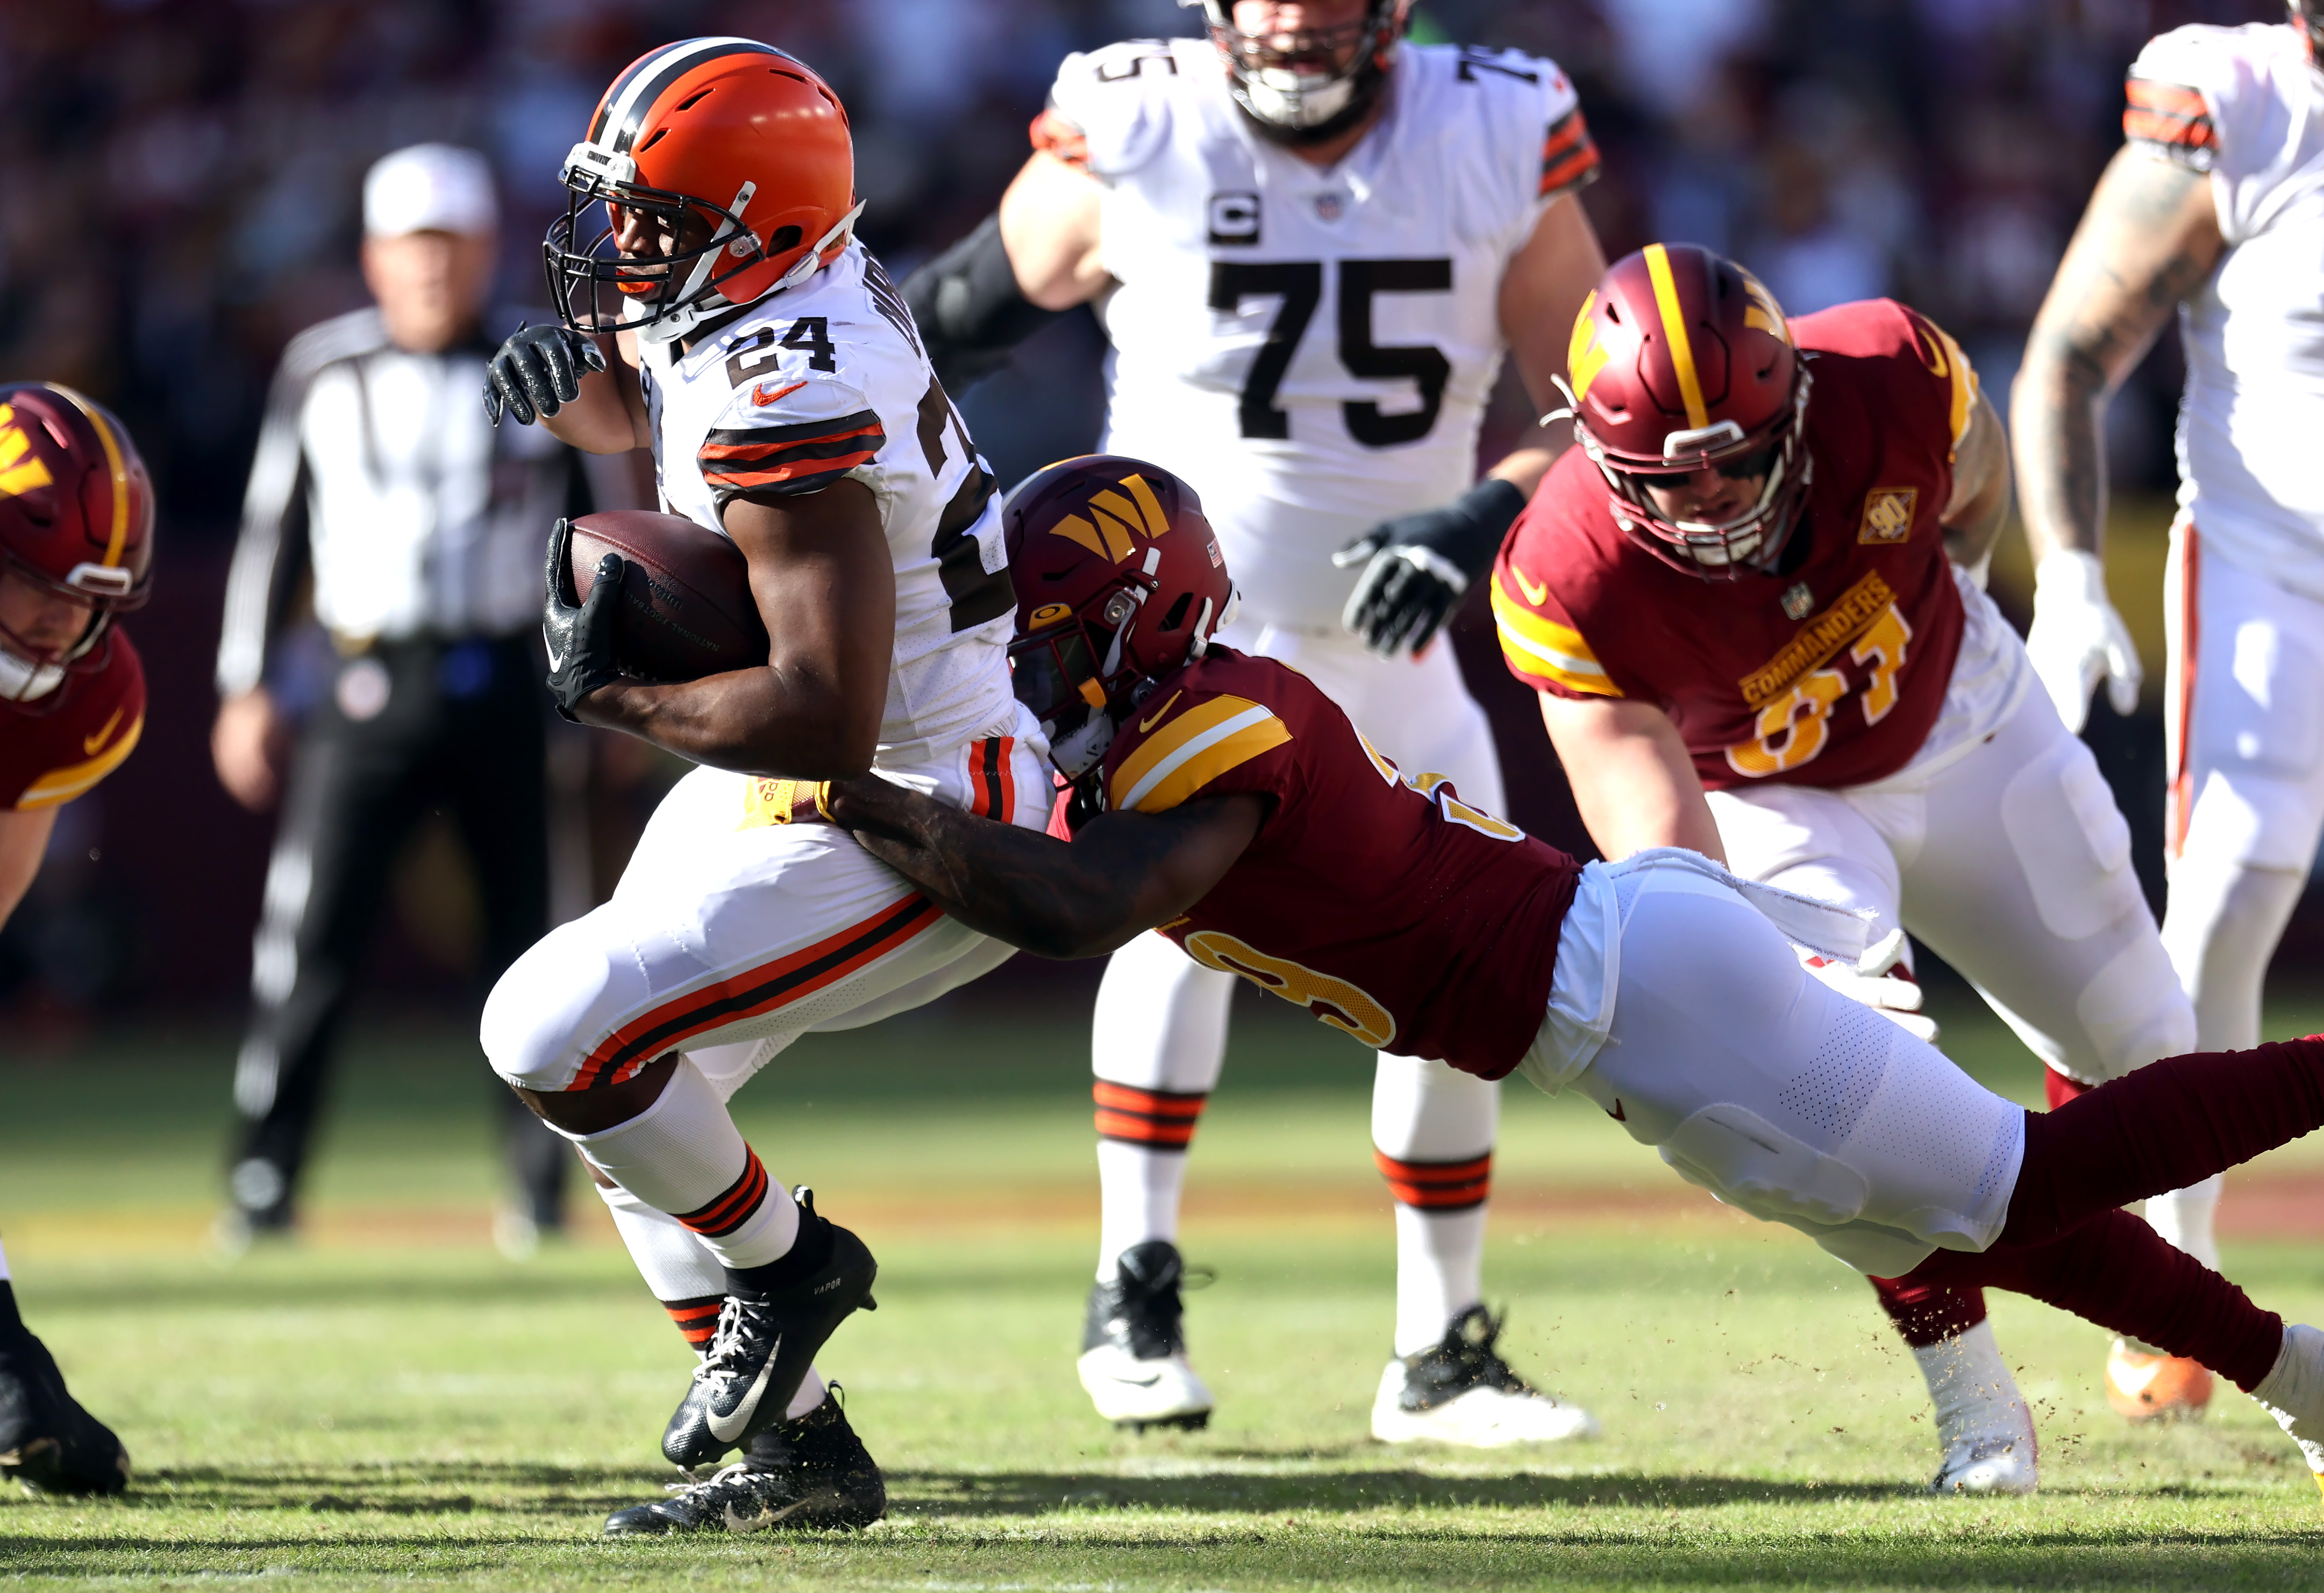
pixel 967 306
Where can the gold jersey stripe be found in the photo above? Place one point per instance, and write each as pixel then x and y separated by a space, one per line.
pixel 1690 387
pixel 1536 646
pixel 62 785
pixel 1194 750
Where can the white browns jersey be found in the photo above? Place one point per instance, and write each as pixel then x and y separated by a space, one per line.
pixel 1310 348
pixel 2245 105
pixel 824 382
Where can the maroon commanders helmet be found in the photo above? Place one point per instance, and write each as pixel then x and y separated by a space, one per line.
pixel 1682 362
pixel 1119 581
pixel 76 518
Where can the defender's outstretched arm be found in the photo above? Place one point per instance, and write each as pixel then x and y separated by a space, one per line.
pixel 1123 873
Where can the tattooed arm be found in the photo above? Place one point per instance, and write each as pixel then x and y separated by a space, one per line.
pixel 1122 872
pixel 2150 237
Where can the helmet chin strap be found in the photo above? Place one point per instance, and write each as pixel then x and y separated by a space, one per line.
pixel 24 681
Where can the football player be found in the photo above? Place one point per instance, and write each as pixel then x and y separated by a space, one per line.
pixel 1756 577
pixel 722 314
pixel 2209 210
pixel 1224 800
pixel 76 549
pixel 1311 243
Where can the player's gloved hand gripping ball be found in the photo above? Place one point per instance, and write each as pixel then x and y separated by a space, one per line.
pixel 579 636
pixel 538 372
pixel 1417 567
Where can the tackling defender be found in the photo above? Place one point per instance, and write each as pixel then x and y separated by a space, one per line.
pixel 75 549
pixel 1225 801
pixel 764 357
pixel 2210 209
pixel 1739 582
pixel 1311 243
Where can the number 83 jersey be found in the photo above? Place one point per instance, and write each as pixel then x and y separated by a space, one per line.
pixel 826 382
pixel 1311 347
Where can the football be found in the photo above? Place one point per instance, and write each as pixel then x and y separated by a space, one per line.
pixel 686 604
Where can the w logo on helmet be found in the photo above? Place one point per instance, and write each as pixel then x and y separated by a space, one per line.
pixel 1112 518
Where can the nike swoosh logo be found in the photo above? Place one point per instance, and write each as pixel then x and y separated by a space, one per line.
pixel 1146 724
pixel 1618 1114
pixel 556 660
pixel 730 1431
pixel 89 745
pixel 1136 1382
pixel 763 397
pixel 1535 591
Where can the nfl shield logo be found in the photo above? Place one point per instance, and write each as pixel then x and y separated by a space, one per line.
pixel 1888 514
pixel 1797 601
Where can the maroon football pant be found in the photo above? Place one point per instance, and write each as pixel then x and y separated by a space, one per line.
pixel 2169 1125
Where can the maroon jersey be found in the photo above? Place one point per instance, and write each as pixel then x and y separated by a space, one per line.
pixel 1831 674
pixel 52 750
pixel 1386 906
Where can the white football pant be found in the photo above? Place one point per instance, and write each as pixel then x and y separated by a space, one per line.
pixel 1161 1018
pixel 2243 732
pixel 727 938
pixel 2013 864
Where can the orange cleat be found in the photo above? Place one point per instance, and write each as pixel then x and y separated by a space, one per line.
pixel 2147 1386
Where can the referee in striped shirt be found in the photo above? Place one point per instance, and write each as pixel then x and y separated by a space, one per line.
pixel 422 529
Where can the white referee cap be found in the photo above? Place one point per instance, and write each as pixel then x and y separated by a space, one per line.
pixel 429 188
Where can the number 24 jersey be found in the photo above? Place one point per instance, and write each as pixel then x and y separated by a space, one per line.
pixel 826 382
pixel 1312 348
pixel 1385 905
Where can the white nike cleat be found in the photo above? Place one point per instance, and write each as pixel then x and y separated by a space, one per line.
pixel 2293 1394
pixel 1133 1363
pixel 1460 1391
pixel 1984 1425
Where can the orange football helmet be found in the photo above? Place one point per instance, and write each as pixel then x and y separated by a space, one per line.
pixel 738 158
pixel 76 519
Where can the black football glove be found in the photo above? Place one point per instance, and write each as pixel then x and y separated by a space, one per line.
pixel 538 372
pixel 1417 567
pixel 580 637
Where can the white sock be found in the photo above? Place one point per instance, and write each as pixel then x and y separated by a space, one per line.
pixel 683 1157
pixel 1970 1386
pixel 1139 1187
pixel 2187 1217
pixel 1439 1260
pixel 674 1264
pixel 2293 1392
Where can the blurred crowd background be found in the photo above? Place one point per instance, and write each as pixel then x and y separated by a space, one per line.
pixel 183 200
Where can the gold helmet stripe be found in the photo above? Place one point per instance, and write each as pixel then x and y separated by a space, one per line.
pixel 113 463
pixel 1690 390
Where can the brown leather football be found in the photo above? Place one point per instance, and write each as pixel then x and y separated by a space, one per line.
pixel 686 609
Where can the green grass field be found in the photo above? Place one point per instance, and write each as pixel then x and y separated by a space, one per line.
pixel 390 1402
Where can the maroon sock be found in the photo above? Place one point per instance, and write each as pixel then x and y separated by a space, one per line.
pixel 2169 1124
pixel 2115 1271
pixel 1929 1313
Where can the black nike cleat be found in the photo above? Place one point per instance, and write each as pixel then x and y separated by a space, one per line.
pixel 764 1345
pixel 1133 1363
pixel 800 1475
pixel 1460 1391
pixel 47 1441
